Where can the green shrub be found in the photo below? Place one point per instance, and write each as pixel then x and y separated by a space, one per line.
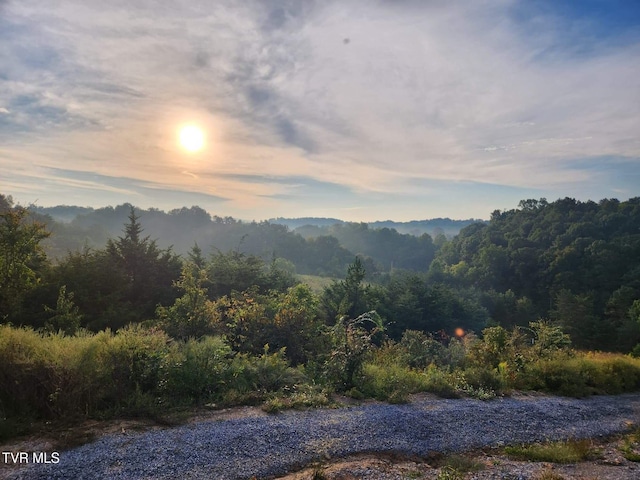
pixel 582 375
pixel 135 357
pixel 391 383
pixel 477 383
pixel 439 382
pixel 45 375
pixel 484 378
pixel 198 370
pixel 305 396
pixel 570 451
pixel 422 350
pixel 269 372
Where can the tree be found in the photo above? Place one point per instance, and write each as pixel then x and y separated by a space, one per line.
pixel 192 314
pixel 66 316
pixel 574 314
pixel 347 297
pixel 235 271
pixel 148 271
pixel 22 258
pixel 196 257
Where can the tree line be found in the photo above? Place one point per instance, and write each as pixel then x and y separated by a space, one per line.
pixel 133 328
pixel 326 253
pixel 576 264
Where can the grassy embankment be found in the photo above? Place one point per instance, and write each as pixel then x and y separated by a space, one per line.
pixel 140 372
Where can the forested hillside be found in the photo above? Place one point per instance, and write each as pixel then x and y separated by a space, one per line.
pixel 577 263
pixel 433 227
pixel 500 307
pixel 326 253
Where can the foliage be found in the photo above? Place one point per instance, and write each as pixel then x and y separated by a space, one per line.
pixel 289 320
pixel 582 375
pixel 66 316
pixel 22 258
pixel 191 315
pixel 301 397
pixel 147 272
pixel 390 382
pixel 460 463
pixel 569 451
pixel 135 371
pixel 352 339
pixel 422 349
pixel 575 262
pixel 198 370
pixel 348 297
pixel 630 446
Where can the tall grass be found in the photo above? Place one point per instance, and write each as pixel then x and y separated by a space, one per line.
pixel 142 371
pixel 581 374
pixel 135 371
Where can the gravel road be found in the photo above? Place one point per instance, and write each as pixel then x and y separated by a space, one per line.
pixel 273 445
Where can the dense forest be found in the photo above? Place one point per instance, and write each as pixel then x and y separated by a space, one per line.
pixel 575 263
pixel 507 303
pixel 323 252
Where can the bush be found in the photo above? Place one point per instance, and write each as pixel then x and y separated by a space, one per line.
pixel 582 375
pixel 391 383
pixel 422 349
pixel 53 375
pixel 44 375
pixel 480 383
pixel 269 372
pixel 198 370
pixel 570 451
pixel 440 382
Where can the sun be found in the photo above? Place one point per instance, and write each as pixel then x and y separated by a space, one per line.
pixel 192 138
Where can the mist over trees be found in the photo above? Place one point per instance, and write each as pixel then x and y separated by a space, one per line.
pixel 132 326
pixel 576 264
pixel 326 253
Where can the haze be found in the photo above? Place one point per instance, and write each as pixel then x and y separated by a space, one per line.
pixel 359 110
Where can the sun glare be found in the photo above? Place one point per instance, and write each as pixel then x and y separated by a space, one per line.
pixel 192 138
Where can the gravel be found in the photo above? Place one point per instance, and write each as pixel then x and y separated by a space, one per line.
pixel 274 445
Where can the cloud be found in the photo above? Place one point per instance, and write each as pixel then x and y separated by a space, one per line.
pixel 494 92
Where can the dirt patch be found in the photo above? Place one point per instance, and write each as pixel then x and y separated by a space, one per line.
pixel 610 465
pixel 494 465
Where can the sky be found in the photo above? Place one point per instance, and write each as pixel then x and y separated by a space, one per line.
pixel 359 110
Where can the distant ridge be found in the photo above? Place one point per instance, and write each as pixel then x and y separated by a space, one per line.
pixel 62 213
pixel 294 223
pixel 433 227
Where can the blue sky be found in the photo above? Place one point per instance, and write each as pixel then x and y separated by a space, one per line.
pixel 360 110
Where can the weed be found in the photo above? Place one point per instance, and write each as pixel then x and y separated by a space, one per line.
pixel 303 397
pixel 549 475
pixel 630 446
pixel 449 473
pixel 318 474
pixel 461 464
pixel 414 474
pixel 569 451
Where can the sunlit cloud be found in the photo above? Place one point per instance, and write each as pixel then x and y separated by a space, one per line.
pixel 320 107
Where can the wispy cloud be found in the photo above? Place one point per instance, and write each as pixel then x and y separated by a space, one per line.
pixel 366 101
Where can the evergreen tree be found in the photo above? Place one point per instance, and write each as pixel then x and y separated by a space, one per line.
pixel 147 270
